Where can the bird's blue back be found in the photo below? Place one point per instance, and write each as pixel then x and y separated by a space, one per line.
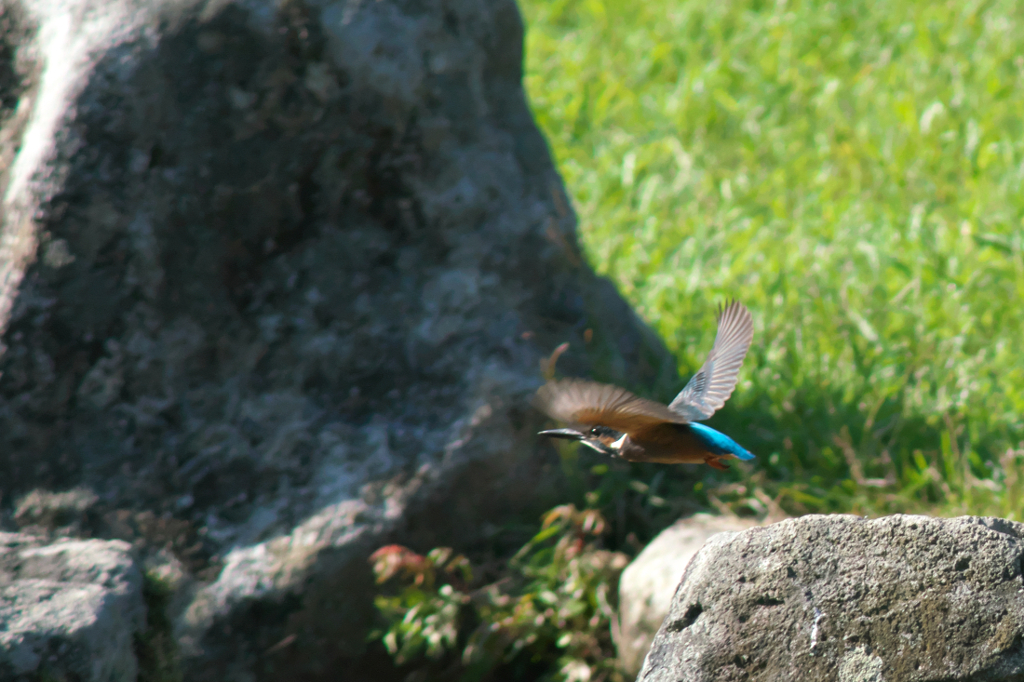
pixel 718 443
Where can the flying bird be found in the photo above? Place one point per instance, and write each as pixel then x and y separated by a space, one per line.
pixel 615 422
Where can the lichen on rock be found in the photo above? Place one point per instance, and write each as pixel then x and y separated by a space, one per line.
pixel 845 598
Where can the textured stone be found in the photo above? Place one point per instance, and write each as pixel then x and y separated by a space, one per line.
pixel 275 281
pixel 42 512
pixel 650 580
pixel 70 610
pixel 900 598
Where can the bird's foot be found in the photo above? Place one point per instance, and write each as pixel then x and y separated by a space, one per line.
pixel 714 463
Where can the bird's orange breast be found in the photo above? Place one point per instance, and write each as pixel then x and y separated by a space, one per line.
pixel 665 444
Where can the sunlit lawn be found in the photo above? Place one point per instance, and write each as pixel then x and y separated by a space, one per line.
pixel 853 172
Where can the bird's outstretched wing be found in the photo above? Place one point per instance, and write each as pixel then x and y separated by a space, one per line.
pixel 713 384
pixel 586 403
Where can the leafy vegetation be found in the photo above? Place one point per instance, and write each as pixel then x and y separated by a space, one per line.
pixel 155 647
pixel 547 618
pixel 853 173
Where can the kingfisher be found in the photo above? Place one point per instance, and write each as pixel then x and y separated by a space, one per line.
pixel 617 423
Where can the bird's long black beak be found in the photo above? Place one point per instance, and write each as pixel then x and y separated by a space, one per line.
pixel 568 434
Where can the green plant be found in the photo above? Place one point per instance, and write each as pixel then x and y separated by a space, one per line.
pixel 424 616
pixel 550 611
pixel 155 647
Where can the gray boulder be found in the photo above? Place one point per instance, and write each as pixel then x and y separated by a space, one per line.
pixel 69 610
pixel 275 282
pixel 843 598
pixel 648 583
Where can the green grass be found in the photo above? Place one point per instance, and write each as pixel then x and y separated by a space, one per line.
pixel 852 172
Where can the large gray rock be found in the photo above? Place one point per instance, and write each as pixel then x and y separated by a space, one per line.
pixel 648 583
pixel 275 279
pixel 68 610
pixel 900 598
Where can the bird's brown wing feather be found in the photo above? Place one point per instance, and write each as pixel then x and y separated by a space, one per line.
pixel 712 385
pixel 587 403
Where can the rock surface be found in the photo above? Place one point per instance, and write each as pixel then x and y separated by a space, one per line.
pixel 843 598
pixel 650 580
pixel 68 610
pixel 275 279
